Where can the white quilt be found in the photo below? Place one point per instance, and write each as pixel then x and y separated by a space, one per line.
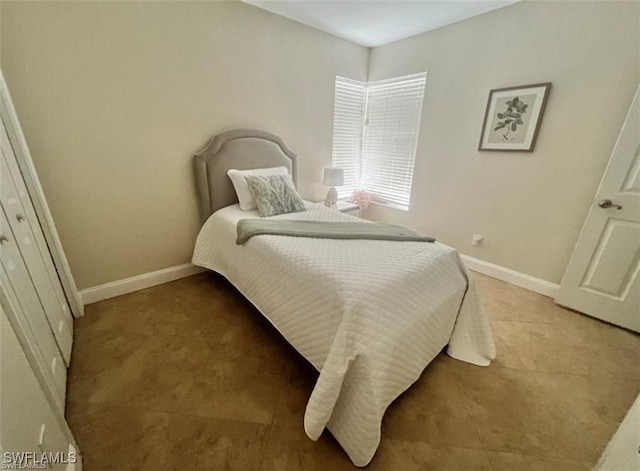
pixel 369 315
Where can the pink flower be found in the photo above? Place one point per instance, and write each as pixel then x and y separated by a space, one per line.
pixel 361 198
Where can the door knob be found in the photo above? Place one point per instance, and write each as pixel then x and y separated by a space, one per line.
pixel 3 239
pixel 19 217
pixel 608 204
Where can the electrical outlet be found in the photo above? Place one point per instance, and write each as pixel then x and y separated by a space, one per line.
pixel 476 239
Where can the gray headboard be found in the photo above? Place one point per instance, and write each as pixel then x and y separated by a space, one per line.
pixel 242 149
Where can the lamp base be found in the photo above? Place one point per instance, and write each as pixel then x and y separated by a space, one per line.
pixel 332 197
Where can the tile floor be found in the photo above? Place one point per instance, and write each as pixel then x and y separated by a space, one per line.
pixel 188 375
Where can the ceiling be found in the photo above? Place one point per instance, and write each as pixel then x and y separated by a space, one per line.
pixel 373 23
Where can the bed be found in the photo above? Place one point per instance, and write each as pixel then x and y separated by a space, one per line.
pixel 370 315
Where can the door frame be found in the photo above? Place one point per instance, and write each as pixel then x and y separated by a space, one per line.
pixel 25 162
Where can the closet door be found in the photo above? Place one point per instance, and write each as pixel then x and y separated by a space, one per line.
pixel 24 224
pixel 16 215
pixel 37 202
pixel 22 294
pixel 28 422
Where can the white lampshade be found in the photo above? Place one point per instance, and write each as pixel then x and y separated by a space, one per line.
pixel 333 177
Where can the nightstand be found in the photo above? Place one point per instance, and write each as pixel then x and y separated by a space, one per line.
pixel 348 208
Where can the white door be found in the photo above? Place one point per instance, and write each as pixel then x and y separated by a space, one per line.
pixel 25 206
pixel 18 219
pixel 602 276
pixel 16 280
pixel 28 424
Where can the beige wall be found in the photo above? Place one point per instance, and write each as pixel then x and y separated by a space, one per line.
pixel 529 207
pixel 114 99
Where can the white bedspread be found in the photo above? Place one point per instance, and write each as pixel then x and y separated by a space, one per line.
pixel 369 315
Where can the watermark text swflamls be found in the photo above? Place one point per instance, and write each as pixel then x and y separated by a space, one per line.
pixel 33 460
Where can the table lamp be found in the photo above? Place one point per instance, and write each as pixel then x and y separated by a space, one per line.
pixel 333 177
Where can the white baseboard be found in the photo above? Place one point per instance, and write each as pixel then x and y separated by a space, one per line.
pixel 147 280
pixel 135 283
pixel 531 283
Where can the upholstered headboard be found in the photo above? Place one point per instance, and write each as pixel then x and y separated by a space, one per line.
pixel 242 149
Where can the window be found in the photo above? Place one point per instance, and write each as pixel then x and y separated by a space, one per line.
pixel 348 119
pixel 375 134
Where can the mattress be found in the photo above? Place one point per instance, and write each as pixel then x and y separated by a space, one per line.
pixel 370 315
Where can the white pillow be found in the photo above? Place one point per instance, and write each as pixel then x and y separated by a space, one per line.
pixel 247 203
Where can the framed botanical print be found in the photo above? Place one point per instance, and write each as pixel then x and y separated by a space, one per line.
pixel 512 118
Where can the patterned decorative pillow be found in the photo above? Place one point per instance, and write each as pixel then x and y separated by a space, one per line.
pixel 274 194
pixel 246 201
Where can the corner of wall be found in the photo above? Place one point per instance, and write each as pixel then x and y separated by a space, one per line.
pixel 369 52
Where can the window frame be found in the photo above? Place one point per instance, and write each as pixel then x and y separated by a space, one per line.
pixel 396 195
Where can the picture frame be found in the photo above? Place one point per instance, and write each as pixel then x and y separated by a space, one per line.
pixel 512 118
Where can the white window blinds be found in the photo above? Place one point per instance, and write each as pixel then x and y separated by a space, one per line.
pixel 390 137
pixel 379 154
pixel 348 119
